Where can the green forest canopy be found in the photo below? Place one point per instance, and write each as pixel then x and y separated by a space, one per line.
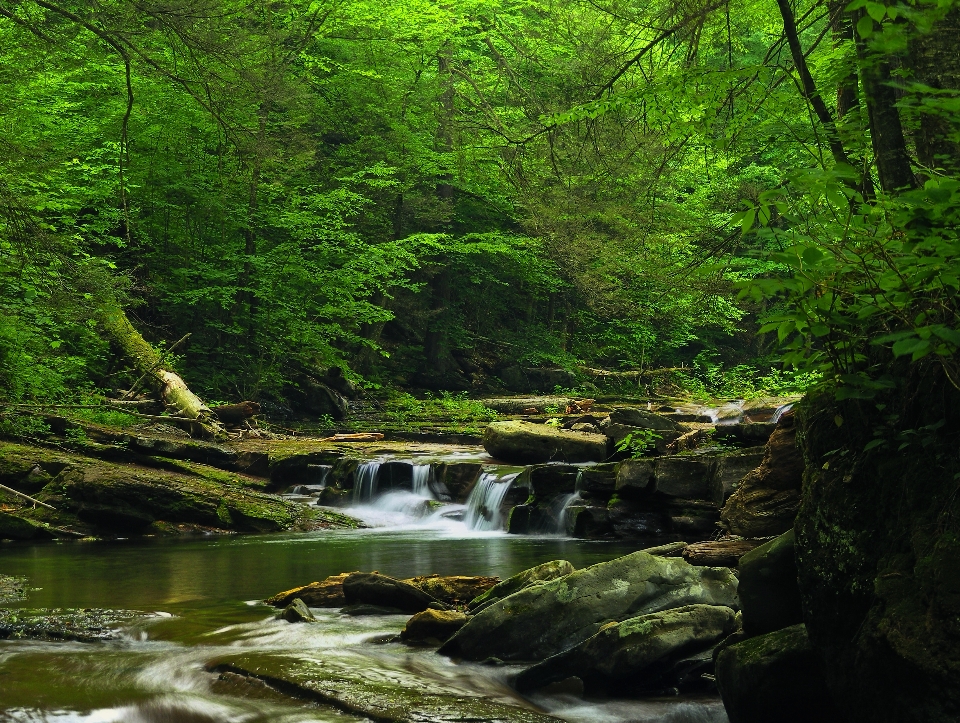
pixel 407 189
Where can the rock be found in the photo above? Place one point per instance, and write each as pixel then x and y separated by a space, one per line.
pixel 722 552
pixel 518 379
pixel 367 609
pixel 297 612
pixel 326 594
pixel 547 619
pixel 16 528
pixel 878 548
pixel 747 434
pixel 635 519
pixel 767 499
pixel 637 418
pixel 455 589
pixel 635 478
pixel 587 522
pixel 385 692
pixel 433 626
pixel 734 466
pixel 372 588
pixel 59 624
pixel 774 677
pixel 530 443
pixel 518 522
pixel 549 480
pixel 597 481
pixel 532 576
pixel 689 478
pixel 769 592
pixel 636 652
pixel 313 397
pixel 458 478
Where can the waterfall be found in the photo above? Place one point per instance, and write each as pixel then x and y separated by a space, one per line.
pixel 422 474
pixel 780 411
pixel 558 510
pixel 322 471
pixel 483 504
pixel 365 482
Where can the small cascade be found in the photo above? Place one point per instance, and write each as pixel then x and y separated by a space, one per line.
pixel 780 412
pixel 422 475
pixel 486 497
pixel 321 472
pixel 729 413
pixel 558 511
pixel 365 482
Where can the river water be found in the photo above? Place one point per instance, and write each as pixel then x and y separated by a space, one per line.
pixel 207 588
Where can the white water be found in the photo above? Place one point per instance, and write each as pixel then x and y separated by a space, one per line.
pixel 780 412
pixel 729 413
pixel 365 485
pixel 486 497
pixel 422 474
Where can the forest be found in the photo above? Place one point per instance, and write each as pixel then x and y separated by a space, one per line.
pixel 448 249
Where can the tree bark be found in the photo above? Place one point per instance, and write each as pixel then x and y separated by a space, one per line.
pixel 166 383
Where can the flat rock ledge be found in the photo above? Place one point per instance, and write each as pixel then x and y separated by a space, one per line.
pixel 397 697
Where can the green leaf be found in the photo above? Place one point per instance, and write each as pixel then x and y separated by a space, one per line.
pixel 865 26
pixel 877 11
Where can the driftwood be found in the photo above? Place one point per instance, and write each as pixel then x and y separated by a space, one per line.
pixel 236 413
pixel 722 553
pixel 356 437
pixel 26 497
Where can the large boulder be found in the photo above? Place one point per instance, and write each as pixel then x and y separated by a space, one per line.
pixel 878 548
pixel 533 576
pixel 769 593
pixel 433 626
pixel 774 677
pixel 371 588
pixel 767 499
pixel 689 478
pixel 636 652
pixel 547 619
pixel 635 478
pixel 530 443
pixel 734 466
pixel 325 594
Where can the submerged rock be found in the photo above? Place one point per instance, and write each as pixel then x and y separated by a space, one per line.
pixel 774 677
pixel 533 576
pixel 297 612
pixel 554 616
pixel 392 695
pixel 87 625
pixel 530 443
pixel 371 588
pixel 637 652
pixel 433 626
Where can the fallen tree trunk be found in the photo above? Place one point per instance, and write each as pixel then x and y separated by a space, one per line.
pixel 167 384
pixel 236 413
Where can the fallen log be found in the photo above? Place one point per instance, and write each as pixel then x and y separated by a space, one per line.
pixel 356 437
pixel 167 384
pixel 722 553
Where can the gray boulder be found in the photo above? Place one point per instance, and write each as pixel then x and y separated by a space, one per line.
pixel 297 612
pixel 689 478
pixel 533 576
pixel 774 677
pixel 529 443
pixel 769 591
pixel 549 618
pixel 637 651
pixel 638 418
pixel 635 478
pixel 370 588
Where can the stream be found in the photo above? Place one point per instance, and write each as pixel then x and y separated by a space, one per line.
pixel 206 592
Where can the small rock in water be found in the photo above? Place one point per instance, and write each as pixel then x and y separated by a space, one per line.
pixel 297 612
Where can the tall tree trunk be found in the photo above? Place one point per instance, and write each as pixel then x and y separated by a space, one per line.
pixel 166 383
pixel 934 59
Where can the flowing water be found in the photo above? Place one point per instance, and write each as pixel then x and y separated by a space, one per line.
pixel 208 588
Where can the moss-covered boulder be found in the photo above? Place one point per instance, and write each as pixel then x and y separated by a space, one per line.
pixel 371 588
pixel 529 443
pixel 453 589
pixel 774 677
pixel 97 497
pixel 540 573
pixel 327 593
pixel 433 626
pixel 548 618
pixel 878 549
pixel 637 653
